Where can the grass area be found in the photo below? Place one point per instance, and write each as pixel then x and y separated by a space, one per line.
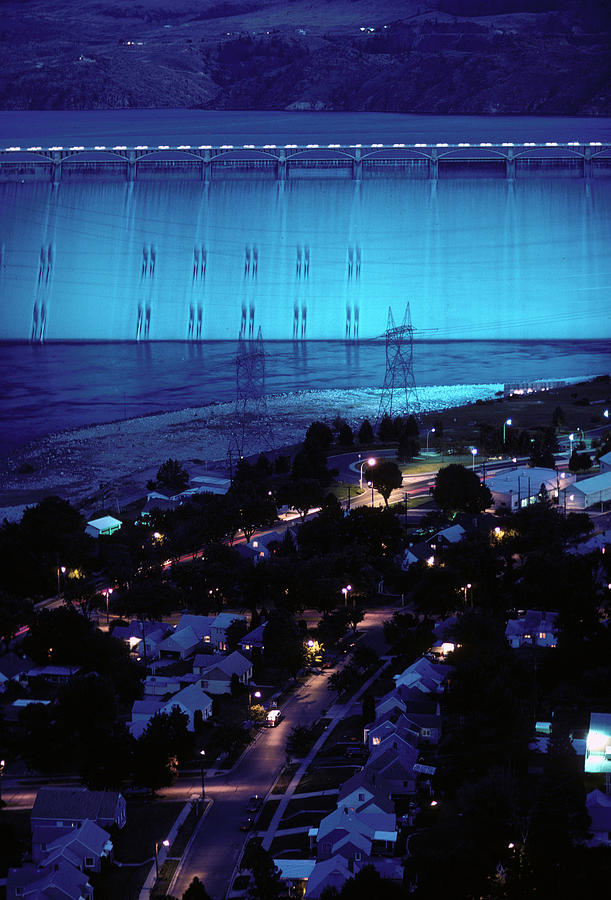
pixel 341 490
pixel 348 729
pixel 284 779
pixel 184 834
pixel 292 845
pixel 324 779
pixel 147 821
pixel 266 815
pixel 308 811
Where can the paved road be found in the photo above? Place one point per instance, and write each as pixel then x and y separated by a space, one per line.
pixel 218 844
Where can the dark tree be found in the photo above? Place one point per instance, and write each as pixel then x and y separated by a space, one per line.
pixel 302 494
pixel 458 489
pixel 386 476
pixel 346 437
pixel 172 475
pixel 366 435
pixel 283 642
pixel 196 891
pixel 318 436
pixel 386 429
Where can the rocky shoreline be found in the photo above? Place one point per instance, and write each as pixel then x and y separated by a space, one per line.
pixel 120 457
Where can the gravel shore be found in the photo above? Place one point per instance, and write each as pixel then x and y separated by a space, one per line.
pixel 124 455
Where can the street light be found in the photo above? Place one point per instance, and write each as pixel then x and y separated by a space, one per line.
pixel 505 424
pixel 571 439
pixel 370 484
pixel 159 844
pixel 430 431
pixel 473 454
pixel 345 591
pixel 467 587
pixel 256 695
pixel 202 754
pixel 366 462
pixel 61 570
pixel 107 594
pixel 2 764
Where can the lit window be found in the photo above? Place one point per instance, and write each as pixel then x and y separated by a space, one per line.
pixel 542 635
pixel 375 741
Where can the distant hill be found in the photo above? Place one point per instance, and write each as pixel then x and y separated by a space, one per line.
pixel 426 56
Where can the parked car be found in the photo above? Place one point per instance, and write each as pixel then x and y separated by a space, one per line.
pixel 246 824
pixel 254 803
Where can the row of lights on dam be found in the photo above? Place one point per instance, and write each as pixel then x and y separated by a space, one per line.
pixel 313 146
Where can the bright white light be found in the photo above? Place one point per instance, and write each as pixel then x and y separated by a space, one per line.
pixel 312 146
pixel 507 144
pixel 508 422
pixel 529 144
pixel 333 146
pixel 184 147
pixel 377 145
pixel 573 144
pixel 160 147
pixel 551 143
pixel 13 148
pixel 103 147
pixel 441 145
pixel 464 145
pixel 204 147
pixel 34 148
pixel 120 147
pixel 397 145
pixel 77 148
pixel 420 145
pixel 139 147
pixel 226 146
pixel 290 146
pixel 248 146
pixel 595 144
pixel 56 148
pixel 485 144
pixel 269 146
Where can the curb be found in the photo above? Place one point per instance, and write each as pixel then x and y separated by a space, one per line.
pixel 209 805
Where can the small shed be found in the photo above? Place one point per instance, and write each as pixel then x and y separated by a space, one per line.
pixel 104 525
pixel 587 492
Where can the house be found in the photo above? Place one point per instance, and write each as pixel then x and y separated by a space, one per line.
pixel 142 713
pixel 424 675
pixel 328 873
pixel 391 767
pixel 445 642
pixel 190 634
pixel 212 484
pixel 155 500
pixel 104 526
pixel 61 881
pixel 54 674
pixel 598 806
pixel 143 638
pixel 254 639
pixel 451 535
pixel 59 810
pixel 420 552
pixel 601 542
pixel 216 678
pixel 190 700
pixel 218 634
pixel 13 668
pixel 516 488
pixel 605 463
pixel 160 685
pixel 390 724
pixel 388 703
pixel 587 492
pixel 534 628
pixel 598 744
pixel 84 848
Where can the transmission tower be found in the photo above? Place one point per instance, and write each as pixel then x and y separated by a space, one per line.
pixel 251 424
pixel 399 396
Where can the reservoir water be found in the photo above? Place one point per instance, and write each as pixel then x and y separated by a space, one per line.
pixel 116 294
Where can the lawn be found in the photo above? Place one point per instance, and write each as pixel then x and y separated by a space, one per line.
pixel 148 821
pixel 284 779
pixel 325 779
pixel 348 729
pixel 265 816
pixel 292 845
pixel 308 811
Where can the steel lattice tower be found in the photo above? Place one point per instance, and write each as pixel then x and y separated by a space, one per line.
pixel 251 420
pixel 399 396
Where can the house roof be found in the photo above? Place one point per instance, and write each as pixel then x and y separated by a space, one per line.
pixel 330 871
pixel 136 628
pixel 295 869
pixel 11 665
pixel 344 819
pixel 147 707
pixel 235 663
pixel 360 781
pixel 74 803
pixel 191 697
pixel 61 880
pixel 105 522
pixel 358 840
pixel 50 671
pixel 254 637
pixel 86 840
pixel 453 534
pixel 589 486
pixel 224 620
pixel 534 620
pixel 200 625
pixel 185 639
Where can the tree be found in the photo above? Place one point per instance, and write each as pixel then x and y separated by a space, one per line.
pixel 458 489
pixel 366 435
pixel 318 436
pixel 172 475
pixel 300 740
pixel 344 680
pixel 196 891
pixel 283 642
pixel 385 476
pixel 386 429
pixel 234 633
pixel 302 494
pixel 346 437
pixel 253 508
pixel 158 749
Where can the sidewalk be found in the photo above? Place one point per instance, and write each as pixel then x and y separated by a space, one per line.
pixel 337 712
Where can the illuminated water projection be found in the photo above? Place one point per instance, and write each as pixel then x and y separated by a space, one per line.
pixel 305 260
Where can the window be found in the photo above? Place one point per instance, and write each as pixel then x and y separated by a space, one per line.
pixel 357 856
pixel 89 862
pixel 542 635
pixel 375 741
pixel 361 797
pixel 425 732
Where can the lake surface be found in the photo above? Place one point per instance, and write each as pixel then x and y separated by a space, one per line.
pixel 52 387
pixel 127 292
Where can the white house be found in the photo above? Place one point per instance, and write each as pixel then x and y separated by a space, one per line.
pixel 605 463
pixel 598 806
pixel 103 526
pixel 84 848
pixel 218 632
pixel 216 678
pixel 13 668
pixel 516 488
pixel 424 675
pixel 59 810
pixel 534 628
pixel 598 744
pixel 190 701
pixel 59 880
pixel 587 492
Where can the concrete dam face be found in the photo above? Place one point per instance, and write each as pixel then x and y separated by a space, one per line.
pixel 305 259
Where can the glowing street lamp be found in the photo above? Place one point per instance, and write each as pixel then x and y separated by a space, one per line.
pixel 159 844
pixel 366 462
pixel 571 439
pixel 61 570
pixel 473 454
pixel 107 592
pixel 202 754
pixel 345 591
pixel 370 484
pixel 430 431
pixel 505 424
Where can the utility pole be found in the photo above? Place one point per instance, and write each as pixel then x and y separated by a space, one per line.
pixel 399 395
